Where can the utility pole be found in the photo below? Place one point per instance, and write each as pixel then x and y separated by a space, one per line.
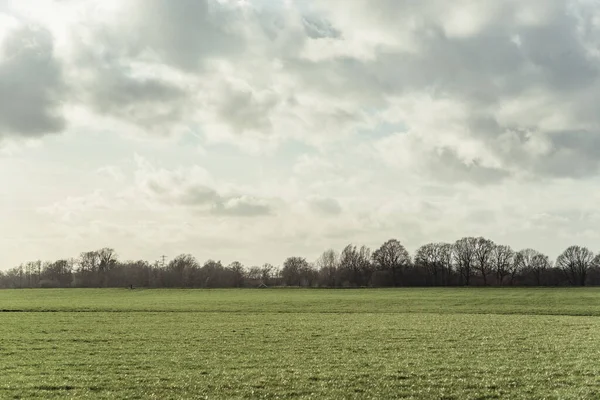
pixel 163 258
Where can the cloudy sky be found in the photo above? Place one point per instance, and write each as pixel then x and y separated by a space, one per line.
pixel 260 129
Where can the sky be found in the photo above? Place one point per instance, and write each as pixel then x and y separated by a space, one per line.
pixel 255 130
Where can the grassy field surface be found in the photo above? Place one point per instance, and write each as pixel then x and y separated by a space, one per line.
pixel 275 343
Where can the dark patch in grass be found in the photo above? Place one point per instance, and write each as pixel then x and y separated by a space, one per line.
pixel 55 387
pixel 296 394
pixel 90 340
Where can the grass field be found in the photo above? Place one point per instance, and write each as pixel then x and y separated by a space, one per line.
pixel 275 343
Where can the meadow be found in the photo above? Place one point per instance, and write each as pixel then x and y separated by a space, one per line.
pixel 291 343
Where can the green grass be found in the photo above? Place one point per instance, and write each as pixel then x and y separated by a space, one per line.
pixel 383 344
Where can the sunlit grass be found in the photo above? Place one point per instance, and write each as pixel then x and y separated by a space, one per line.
pixel 417 343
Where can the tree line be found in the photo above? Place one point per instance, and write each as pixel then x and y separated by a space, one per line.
pixel 470 261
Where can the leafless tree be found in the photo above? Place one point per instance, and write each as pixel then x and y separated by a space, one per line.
pixel 575 263
pixel 484 249
pixel 297 271
pixel 436 260
pixel 392 256
pixel 355 265
pixel 182 271
pixel 213 274
pixel 107 259
pixel 89 261
pixel 540 263
pixel 532 262
pixel 366 267
pixel 465 258
pixel 266 273
pixel 328 264
pixel 525 257
pixel 237 270
pixel 502 262
pixel 596 261
pixel 56 274
pixel 254 273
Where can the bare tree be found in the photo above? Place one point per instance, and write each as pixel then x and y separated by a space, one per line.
pixel 237 270
pixel 29 268
pixel 266 273
pixel 594 273
pixel 436 260
pixel 575 263
pixel 213 274
pixel 89 261
pixel 502 261
pixel 107 260
pixel 525 257
pixel 465 258
pixel 596 261
pixel 392 256
pixel 56 274
pixel 484 249
pixel 355 265
pixel 254 273
pixel 182 271
pixel 366 267
pixel 540 263
pixel 530 261
pixel 297 271
pixel 328 264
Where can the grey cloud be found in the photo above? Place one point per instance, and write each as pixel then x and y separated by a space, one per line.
pixel 184 32
pixel 242 207
pixel 242 110
pixel 483 217
pixel 200 195
pixel 185 35
pixel 177 34
pixel 558 51
pixel 445 165
pixel 325 206
pixel 177 190
pixel 569 154
pixel 317 28
pixel 484 67
pixel 573 154
pixel 156 187
pixel 282 41
pixel 151 103
pixel 31 85
pixel 117 90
